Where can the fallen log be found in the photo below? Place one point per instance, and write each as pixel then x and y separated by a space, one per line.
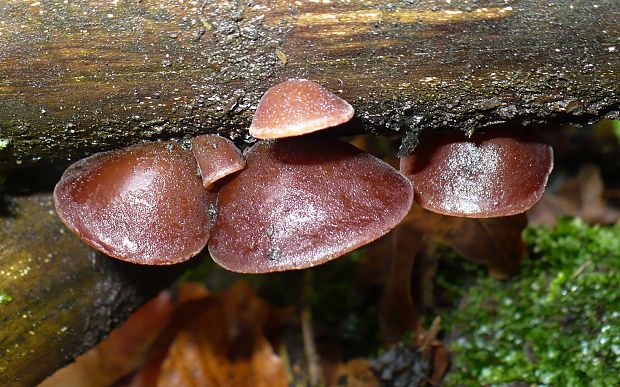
pixel 79 77
pixel 58 297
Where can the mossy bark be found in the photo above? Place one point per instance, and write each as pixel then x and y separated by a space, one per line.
pixel 82 76
pixel 59 297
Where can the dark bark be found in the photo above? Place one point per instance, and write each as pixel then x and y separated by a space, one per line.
pixel 85 76
pixel 58 297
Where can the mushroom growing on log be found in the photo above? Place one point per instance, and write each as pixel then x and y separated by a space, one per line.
pixel 301 202
pixel 296 107
pixel 217 157
pixel 492 174
pixel 143 204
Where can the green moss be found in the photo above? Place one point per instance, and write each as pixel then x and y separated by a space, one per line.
pixel 615 127
pixel 556 323
pixel 5 298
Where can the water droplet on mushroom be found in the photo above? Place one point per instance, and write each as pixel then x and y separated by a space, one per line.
pixel 274 253
pixel 269 231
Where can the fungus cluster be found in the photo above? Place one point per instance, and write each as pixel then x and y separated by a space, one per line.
pixel 291 201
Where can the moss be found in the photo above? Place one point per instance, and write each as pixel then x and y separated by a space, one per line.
pixel 4 143
pixel 615 127
pixel 5 298
pixel 556 323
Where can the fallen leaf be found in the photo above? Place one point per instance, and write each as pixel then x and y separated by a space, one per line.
pixel 218 341
pixel 354 373
pixel 121 352
pixel 581 196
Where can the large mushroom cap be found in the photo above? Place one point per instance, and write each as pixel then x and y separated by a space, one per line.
pixel 491 174
pixel 301 202
pixel 143 204
pixel 217 157
pixel 296 107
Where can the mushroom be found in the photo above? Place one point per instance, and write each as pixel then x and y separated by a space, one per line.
pixel 217 157
pixel 143 204
pixel 494 173
pixel 303 201
pixel 295 107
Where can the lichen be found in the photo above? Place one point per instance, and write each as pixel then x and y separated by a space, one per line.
pixel 556 323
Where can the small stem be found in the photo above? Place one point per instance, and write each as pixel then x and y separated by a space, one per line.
pixel 312 357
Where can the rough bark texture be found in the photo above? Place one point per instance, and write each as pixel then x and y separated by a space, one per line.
pixel 58 297
pixel 81 76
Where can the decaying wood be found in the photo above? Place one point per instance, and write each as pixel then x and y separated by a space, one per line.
pixel 57 296
pixel 81 76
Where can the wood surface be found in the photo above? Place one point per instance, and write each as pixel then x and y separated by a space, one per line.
pixel 58 297
pixel 81 76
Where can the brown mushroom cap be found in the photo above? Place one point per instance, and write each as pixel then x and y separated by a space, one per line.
pixel 296 107
pixel 491 174
pixel 217 157
pixel 143 204
pixel 304 201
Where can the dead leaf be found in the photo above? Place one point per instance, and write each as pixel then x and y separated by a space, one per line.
pixel 494 242
pixel 218 341
pixel 121 352
pixel 581 196
pixel 354 373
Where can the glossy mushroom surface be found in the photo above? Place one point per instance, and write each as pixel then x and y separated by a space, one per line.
pixel 296 107
pixel 491 174
pixel 304 201
pixel 217 157
pixel 143 204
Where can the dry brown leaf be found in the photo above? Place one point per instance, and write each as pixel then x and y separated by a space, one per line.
pixel 121 352
pixel 494 242
pixel 354 373
pixel 581 196
pixel 218 341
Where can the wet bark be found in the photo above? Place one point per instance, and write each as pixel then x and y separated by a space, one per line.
pixel 82 76
pixel 58 297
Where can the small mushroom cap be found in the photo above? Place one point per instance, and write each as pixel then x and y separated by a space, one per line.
pixel 304 201
pixel 217 157
pixel 491 174
pixel 143 204
pixel 296 107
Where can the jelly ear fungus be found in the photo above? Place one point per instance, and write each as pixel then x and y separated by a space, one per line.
pixel 142 204
pixel 492 174
pixel 303 201
pixel 296 107
pixel 217 157
pixel 300 201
